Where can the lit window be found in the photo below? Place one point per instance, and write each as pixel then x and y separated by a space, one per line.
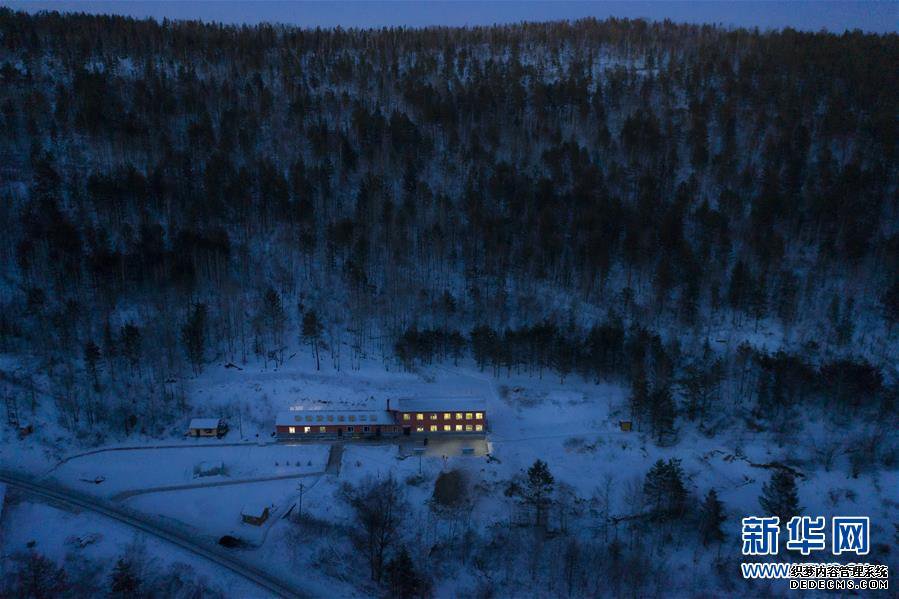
pixel 366 429
pixel 433 428
pixel 479 416
pixel 478 427
pixel 322 429
pixel 419 429
pixel 306 429
pixel 433 416
pixel 349 429
pixel 419 416
pixel 406 417
pixel 447 416
pixel 458 415
pixel 458 427
pixel 291 429
pixel 352 419
pixel 467 415
pixel 447 427
pixel 468 427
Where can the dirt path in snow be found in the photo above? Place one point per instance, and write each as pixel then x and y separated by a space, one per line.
pixel 144 447
pixel 221 483
pixel 335 457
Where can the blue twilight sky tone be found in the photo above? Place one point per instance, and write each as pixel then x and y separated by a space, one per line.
pixel 771 14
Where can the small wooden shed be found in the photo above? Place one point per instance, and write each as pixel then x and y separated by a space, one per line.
pixel 207 427
pixel 255 514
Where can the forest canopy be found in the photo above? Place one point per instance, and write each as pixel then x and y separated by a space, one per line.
pixel 175 192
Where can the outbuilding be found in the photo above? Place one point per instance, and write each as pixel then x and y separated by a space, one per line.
pixel 254 513
pixel 207 427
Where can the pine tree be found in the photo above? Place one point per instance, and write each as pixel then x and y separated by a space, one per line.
pixel 779 496
pixel 483 345
pixel 664 489
pixel 740 287
pixel 758 300
pixel 92 363
pixel 193 334
pixel 563 356
pixel 639 397
pixel 846 325
pixel 312 331
pixel 37 577
pixel 124 581
pixel 890 303
pixel 700 381
pixel 402 578
pixel 273 316
pixel 110 349
pixel 131 344
pixel 662 412
pixel 711 516
pixel 538 489
pixel 787 297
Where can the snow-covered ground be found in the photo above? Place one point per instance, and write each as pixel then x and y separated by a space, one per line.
pixel 145 469
pixel 86 540
pixel 573 426
pixel 215 511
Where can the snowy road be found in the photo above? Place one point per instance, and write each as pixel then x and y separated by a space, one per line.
pixel 212 553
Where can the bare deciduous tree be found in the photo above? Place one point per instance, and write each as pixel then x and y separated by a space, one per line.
pixel 378 507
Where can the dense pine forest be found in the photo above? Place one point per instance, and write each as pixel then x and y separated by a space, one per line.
pixel 707 215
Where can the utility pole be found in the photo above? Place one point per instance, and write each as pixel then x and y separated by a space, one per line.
pixel 300 504
pixel 12 410
pixel 420 451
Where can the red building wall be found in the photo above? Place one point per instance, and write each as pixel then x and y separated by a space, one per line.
pixel 468 421
pixel 335 429
pixel 419 423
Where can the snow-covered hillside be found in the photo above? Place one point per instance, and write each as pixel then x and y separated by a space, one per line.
pixel 666 257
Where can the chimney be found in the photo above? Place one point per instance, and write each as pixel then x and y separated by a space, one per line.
pixel 388 404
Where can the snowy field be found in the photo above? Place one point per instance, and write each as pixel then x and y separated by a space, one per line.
pixel 573 426
pixel 145 469
pixel 215 511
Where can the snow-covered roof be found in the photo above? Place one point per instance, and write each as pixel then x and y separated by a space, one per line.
pixel 254 508
pixel 204 423
pixel 326 417
pixel 441 404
